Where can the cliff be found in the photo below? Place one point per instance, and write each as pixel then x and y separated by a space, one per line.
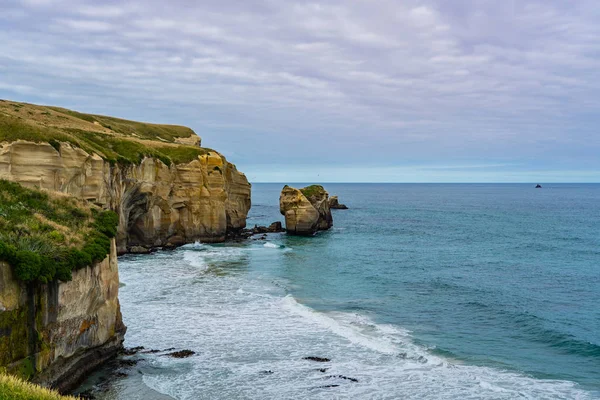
pixel 306 210
pixel 166 189
pixel 59 282
pixel 57 332
pixel 59 308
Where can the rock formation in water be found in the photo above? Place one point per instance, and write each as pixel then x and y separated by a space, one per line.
pixel 335 204
pixel 306 210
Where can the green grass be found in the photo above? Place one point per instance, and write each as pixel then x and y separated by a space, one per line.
pixel 312 190
pixel 14 128
pixel 45 237
pixel 143 130
pixel 12 388
pixel 115 140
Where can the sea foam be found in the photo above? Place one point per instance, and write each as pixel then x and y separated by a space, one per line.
pixel 252 338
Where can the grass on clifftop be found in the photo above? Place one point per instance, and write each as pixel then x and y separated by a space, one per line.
pixel 45 236
pixel 116 140
pixel 12 388
pixel 312 190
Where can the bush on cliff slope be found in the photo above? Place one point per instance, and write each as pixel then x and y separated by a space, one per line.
pixel 12 388
pixel 46 236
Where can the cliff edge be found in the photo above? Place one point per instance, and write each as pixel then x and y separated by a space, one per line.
pixel 59 285
pixel 166 189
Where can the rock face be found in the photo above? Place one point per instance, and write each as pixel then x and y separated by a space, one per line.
pixel 56 333
pixel 306 210
pixel 158 205
pixel 334 204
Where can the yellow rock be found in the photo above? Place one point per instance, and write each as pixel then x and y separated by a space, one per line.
pixel 306 210
pixel 158 205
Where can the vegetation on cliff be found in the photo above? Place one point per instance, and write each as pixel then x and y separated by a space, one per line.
pixel 45 236
pixel 12 388
pixel 116 140
pixel 313 190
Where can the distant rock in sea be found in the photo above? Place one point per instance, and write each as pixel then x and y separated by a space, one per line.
pixel 306 210
pixel 538 186
pixel 335 204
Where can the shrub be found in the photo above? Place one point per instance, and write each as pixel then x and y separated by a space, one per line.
pixel 27 265
pixel 32 242
pixel 106 223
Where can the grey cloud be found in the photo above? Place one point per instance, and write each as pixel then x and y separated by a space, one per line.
pixel 380 81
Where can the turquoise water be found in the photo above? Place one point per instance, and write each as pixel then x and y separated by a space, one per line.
pixel 499 275
pixel 419 291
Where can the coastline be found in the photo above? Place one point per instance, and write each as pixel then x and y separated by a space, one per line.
pixel 245 326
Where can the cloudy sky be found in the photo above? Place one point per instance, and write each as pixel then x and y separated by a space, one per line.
pixel 337 90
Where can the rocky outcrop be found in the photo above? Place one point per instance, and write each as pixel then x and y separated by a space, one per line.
pixel 58 332
pixel 158 205
pixel 335 204
pixel 306 210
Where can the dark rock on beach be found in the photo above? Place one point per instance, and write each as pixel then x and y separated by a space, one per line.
pixel 127 363
pixel 153 351
pixel 317 359
pixel 181 354
pixel 131 351
pixel 342 377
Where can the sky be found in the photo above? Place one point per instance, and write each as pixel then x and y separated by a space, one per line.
pixel 331 91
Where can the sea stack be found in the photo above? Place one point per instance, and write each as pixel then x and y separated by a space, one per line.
pixel 306 210
pixel 335 204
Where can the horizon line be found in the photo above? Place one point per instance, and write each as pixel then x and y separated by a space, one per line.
pixel 435 183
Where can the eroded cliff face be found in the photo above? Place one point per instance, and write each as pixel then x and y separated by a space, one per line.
pixel 306 210
pixel 56 333
pixel 158 205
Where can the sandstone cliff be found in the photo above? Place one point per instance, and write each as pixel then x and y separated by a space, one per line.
pixel 306 210
pixel 58 332
pixel 158 205
pixel 166 190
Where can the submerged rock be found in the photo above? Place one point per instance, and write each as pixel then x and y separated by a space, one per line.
pixel 335 204
pixel 317 359
pixel 306 210
pixel 131 351
pixel 181 354
pixel 342 377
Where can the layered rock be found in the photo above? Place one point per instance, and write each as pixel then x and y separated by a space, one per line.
pixel 158 205
pixel 306 210
pixel 58 332
pixel 334 204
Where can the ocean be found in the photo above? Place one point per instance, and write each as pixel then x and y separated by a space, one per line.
pixel 419 291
